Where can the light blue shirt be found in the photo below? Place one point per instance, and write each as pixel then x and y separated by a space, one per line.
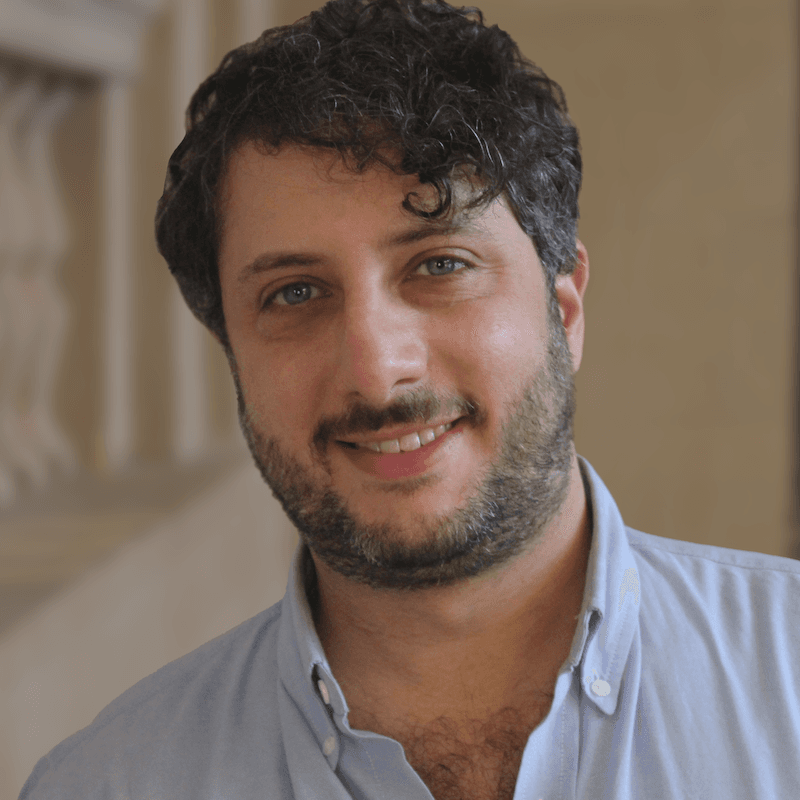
pixel 683 681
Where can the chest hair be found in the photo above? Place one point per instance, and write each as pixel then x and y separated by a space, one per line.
pixel 472 759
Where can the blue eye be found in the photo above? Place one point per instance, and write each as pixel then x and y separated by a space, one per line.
pixel 441 265
pixel 294 294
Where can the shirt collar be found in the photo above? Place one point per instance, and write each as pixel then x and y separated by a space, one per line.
pixel 607 622
pixel 610 611
pixel 302 666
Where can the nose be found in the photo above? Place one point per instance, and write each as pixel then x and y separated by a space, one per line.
pixel 383 347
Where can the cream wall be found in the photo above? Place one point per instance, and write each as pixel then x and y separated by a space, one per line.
pixel 688 120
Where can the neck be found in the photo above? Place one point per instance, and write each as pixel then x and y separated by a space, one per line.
pixel 480 638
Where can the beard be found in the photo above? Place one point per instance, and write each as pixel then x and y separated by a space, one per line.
pixel 509 510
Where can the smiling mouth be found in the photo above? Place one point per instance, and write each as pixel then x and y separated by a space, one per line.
pixel 403 444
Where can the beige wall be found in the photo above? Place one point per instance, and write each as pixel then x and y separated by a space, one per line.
pixel 688 121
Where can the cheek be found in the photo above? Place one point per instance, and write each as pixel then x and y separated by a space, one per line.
pixel 282 390
pixel 503 347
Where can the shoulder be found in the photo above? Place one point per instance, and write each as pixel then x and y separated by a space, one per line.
pixel 656 548
pixel 730 606
pixel 718 653
pixel 708 570
pixel 184 712
pixel 204 672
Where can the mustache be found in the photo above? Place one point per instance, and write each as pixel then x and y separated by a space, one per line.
pixel 418 405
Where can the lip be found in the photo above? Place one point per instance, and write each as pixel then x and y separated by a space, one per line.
pixel 394 466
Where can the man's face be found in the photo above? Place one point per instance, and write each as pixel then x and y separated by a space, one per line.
pixel 358 330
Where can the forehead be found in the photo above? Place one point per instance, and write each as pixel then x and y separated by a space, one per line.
pixel 301 173
pixel 303 196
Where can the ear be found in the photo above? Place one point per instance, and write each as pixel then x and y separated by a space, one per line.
pixel 569 291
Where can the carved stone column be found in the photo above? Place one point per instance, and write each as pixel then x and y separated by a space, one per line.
pixel 103 40
pixel 191 414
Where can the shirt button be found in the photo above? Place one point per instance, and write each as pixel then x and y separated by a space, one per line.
pixel 329 745
pixel 323 690
pixel 601 688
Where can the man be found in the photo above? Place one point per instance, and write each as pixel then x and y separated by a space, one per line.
pixel 374 211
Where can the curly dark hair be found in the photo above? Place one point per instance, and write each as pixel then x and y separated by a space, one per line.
pixel 417 85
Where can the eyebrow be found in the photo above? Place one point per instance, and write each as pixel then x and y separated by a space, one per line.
pixel 270 261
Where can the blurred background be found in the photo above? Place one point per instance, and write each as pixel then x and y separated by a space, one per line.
pixel 133 526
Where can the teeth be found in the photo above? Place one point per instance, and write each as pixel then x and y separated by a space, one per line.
pixel 413 441
pixel 410 442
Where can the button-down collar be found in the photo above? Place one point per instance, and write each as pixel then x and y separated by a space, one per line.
pixel 610 610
